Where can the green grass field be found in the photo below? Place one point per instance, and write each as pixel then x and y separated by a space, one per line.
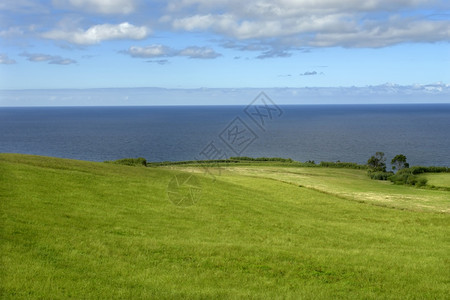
pixel 439 179
pixel 75 229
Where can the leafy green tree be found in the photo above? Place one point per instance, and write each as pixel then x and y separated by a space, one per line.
pixel 377 162
pixel 399 162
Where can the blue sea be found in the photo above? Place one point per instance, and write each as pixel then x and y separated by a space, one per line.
pixel 304 132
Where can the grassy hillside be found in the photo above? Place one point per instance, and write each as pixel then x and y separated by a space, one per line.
pixel 439 179
pixel 94 230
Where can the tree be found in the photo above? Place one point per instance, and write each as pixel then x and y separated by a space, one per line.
pixel 399 162
pixel 377 162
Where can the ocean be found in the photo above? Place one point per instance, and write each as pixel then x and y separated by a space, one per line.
pixel 350 133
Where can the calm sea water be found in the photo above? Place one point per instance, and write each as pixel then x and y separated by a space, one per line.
pixel 321 133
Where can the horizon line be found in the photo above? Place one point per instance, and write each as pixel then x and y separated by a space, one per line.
pixel 386 84
pixel 218 105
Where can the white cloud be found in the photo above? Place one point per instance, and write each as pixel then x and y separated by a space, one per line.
pixel 23 6
pixel 5 60
pixel 274 28
pixel 274 53
pixel 164 51
pixel 385 34
pixel 286 8
pixel 319 23
pixel 51 59
pixel 388 93
pixel 199 52
pixel 11 32
pixel 99 6
pixel 99 33
pixel 149 51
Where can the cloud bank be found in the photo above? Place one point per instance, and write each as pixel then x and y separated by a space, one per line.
pixel 98 6
pixel 51 59
pixel 153 51
pixel 274 27
pixel 379 94
pixel 320 23
pixel 99 33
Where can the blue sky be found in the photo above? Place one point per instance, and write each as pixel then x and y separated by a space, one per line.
pixel 190 44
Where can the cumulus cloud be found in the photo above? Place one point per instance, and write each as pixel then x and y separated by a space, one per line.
pixel 5 60
pixel 394 31
pixel 199 52
pixel 271 28
pixel 320 23
pixel 149 51
pixel 51 59
pixel 99 33
pixel 99 6
pixel 252 46
pixel 153 51
pixel 274 53
pixel 268 50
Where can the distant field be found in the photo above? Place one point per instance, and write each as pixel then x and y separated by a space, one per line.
pixel 344 183
pixel 76 229
pixel 439 179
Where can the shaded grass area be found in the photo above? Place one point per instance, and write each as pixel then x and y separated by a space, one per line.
pixel 92 230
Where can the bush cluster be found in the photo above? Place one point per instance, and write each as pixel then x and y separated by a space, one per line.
pixel 404 177
pixel 408 179
pixel 405 174
pixel 348 165
pixel 421 169
pixel 379 175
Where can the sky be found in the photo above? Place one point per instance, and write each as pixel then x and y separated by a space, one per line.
pixel 218 44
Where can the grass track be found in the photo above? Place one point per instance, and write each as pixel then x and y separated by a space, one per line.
pixel 92 230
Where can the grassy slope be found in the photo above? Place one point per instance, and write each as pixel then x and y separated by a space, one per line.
pixel 343 183
pixel 438 179
pixel 356 185
pixel 93 230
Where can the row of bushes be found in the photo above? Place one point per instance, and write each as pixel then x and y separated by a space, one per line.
pixel 328 164
pixel 421 169
pixel 246 158
pixel 408 179
pixel 348 165
pixel 140 161
pixel 189 162
pixel 309 163
pixel 405 176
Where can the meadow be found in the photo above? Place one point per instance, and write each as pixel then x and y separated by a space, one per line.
pixel 78 229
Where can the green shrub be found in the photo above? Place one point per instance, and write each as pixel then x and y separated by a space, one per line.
pixel 408 178
pixel 421 182
pixel 422 169
pixel 379 175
